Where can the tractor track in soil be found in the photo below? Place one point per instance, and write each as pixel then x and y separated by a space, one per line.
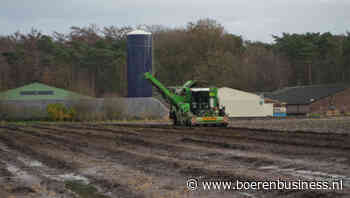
pixel 219 141
pixel 312 139
pixel 230 146
pixel 305 139
pixel 316 149
pixel 154 161
pixel 158 161
pixel 277 142
pixel 58 162
pixel 159 166
pixel 166 147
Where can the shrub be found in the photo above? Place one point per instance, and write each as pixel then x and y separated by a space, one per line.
pixel 113 109
pixel 314 115
pixel 58 112
pixel 93 110
pixel 85 110
pixel 10 111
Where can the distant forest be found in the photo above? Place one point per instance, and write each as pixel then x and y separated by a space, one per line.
pixel 92 60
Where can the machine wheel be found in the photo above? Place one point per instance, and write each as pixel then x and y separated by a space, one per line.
pixel 188 123
pixel 175 121
pixel 224 125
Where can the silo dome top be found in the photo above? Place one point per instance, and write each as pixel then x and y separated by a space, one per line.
pixel 139 32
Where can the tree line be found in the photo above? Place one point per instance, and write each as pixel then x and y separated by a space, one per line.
pixel 92 60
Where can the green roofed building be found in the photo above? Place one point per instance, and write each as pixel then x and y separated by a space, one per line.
pixel 39 91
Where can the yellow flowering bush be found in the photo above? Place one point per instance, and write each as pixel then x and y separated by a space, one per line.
pixel 58 112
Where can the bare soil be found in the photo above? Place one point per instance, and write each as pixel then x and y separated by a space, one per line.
pixel 154 161
pixel 330 124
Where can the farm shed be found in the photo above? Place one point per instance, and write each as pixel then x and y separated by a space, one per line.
pixel 30 102
pixel 243 104
pixel 321 99
pixel 39 91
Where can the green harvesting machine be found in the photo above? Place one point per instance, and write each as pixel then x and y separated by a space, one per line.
pixel 192 106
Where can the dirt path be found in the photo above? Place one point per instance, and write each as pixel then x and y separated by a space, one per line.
pixel 94 161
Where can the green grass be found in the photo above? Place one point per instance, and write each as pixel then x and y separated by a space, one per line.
pixel 84 190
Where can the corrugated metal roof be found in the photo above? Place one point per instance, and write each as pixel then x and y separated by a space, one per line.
pixel 39 91
pixel 235 94
pixel 306 94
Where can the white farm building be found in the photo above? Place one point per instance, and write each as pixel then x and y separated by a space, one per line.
pixel 243 104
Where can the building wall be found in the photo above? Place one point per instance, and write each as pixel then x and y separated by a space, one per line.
pixel 339 101
pixel 243 104
pixel 129 107
pixel 247 108
pixel 297 109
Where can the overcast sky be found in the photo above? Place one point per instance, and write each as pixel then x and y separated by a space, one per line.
pixel 252 19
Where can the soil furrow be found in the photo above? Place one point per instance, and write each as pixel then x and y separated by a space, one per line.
pixel 12 141
pixel 141 161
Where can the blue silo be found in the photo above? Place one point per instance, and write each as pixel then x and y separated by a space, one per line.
pixel 139 62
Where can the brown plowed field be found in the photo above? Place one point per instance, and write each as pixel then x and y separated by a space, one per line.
pixel 101 161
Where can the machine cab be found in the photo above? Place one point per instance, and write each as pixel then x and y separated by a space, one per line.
pixel 203 101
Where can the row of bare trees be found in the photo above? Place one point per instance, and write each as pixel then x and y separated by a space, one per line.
pixel 206 52
pixel 92 61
